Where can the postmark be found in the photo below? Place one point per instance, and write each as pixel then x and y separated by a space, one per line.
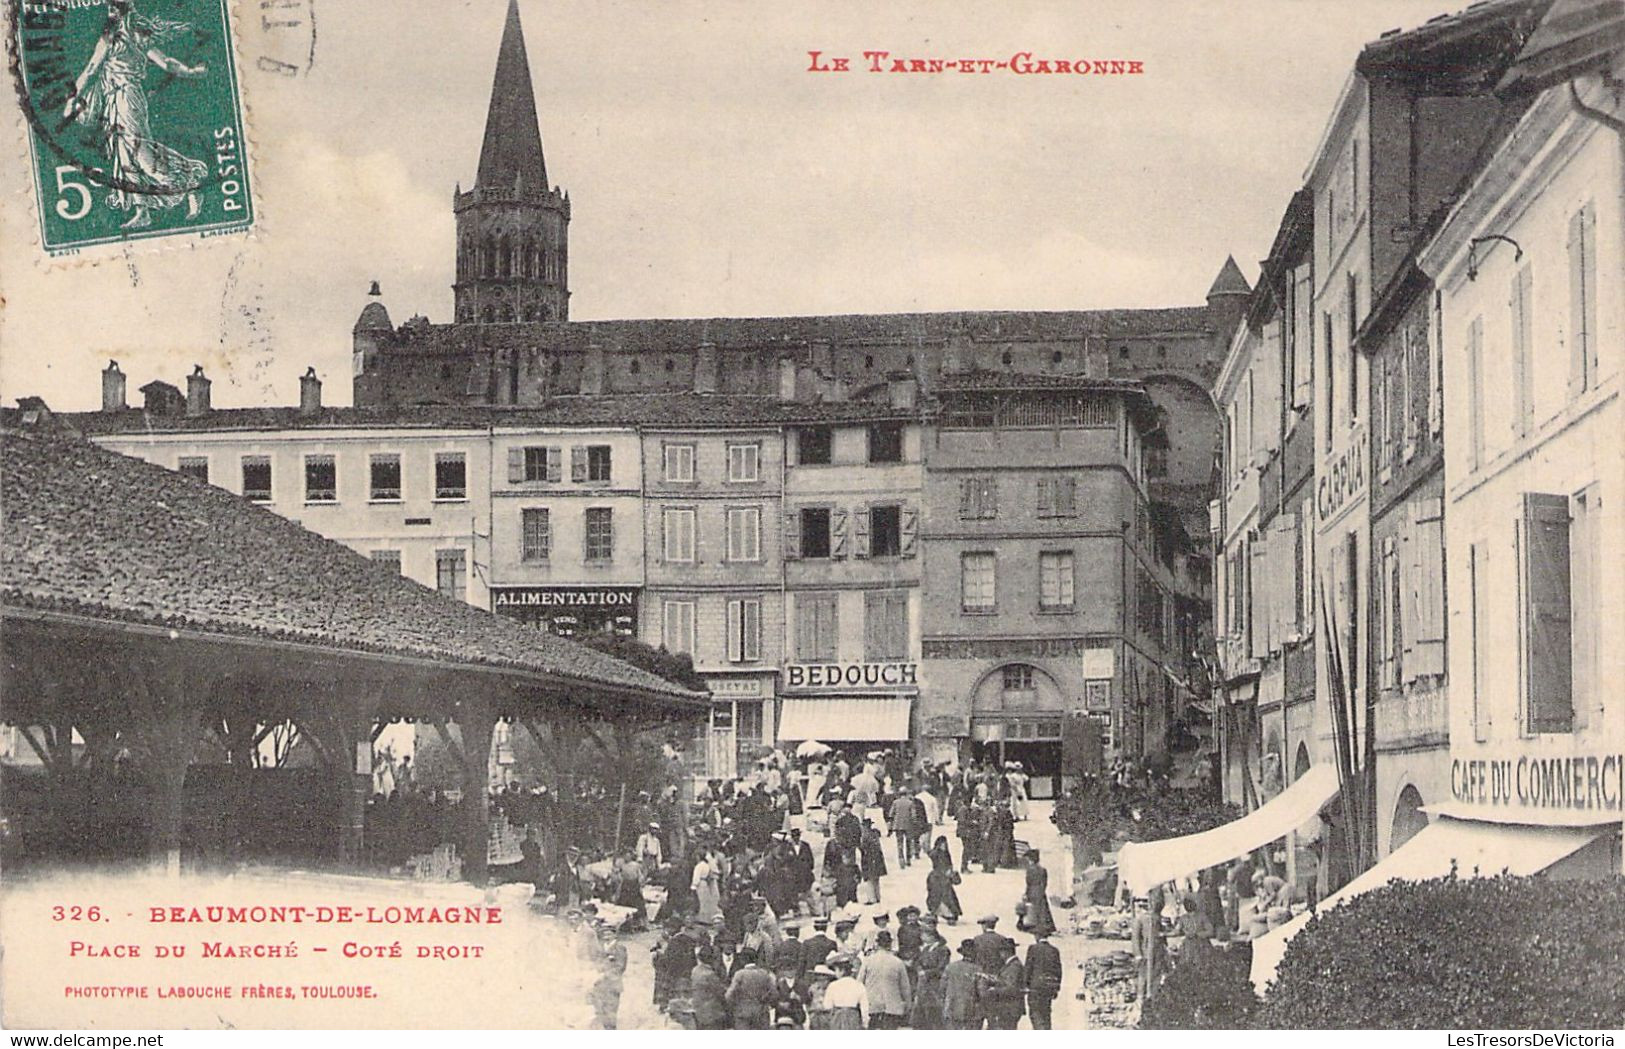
pixel 135 119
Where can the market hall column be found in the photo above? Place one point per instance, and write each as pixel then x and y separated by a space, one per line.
pixel 476 721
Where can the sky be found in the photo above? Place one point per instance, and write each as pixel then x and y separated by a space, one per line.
pixel 710 174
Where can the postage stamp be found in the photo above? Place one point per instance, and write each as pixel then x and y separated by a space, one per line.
pixel 135 119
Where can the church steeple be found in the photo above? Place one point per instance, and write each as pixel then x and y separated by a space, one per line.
pixel 513 226
pixel 512 153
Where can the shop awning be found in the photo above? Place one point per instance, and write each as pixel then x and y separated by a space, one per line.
pixel 878 719
pixel 1476 849
pixel 1141 865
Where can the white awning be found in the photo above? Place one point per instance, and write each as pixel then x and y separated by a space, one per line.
pixel 1141 865
pixel 869 719
pixel 1476 849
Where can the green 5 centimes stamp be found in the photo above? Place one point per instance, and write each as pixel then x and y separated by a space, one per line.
pixel 134 116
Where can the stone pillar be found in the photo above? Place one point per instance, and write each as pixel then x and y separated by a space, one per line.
pixel 476 720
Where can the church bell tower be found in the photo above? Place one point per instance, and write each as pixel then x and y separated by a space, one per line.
pixel 512 227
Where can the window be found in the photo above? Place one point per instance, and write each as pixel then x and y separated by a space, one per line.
pixel 600 544
pixel 678 525
pixel 885 531
pixel 678 626
pixel 885 625
pixel 321 480
pixel 886 443
pixel 679 463
pixel 384 478
pixel 1055 581
pixel 450 476
pixel 744 533
pixel 1548 654
pixel 387 558
pixel 1475 606
pixel 744 462
pixel 1523 378
pixel 815 531
pixel 745 630
pixel 1018 678
pixel 814 445
pixel 536 534
pixel 195 466
pixel 978 498
pixel 1585 555
pixel 977 590
pixel 589 464
pixel 1058 496
pixel 451 573
pixel 535 464
pixel 257 478
pixel 815 627
pixel 1582 245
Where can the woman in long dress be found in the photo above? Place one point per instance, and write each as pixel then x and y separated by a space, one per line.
pixel 705 884
pixel 941 898
pixel 111 98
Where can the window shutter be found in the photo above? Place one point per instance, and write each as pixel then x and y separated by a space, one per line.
pixel 555 465
pixel 837 533
pixel 1046 497
pixel 826 627
pixel 1522 345
pixel 991 508
pixel 516 465
pixel 792 535
pixel 1435 366
pixel 1428 540
pixel 750 642
pixel 860 538
pixel 1306 578
pixel 1069 496
pixel 1258 618
pixel 910 528
pixel 874 627
pixel 967 496
pixel 736 631
pixel 1303 325
pixel 1588 251
pixel 1582 300
pixel 1548 654
pixel 578 463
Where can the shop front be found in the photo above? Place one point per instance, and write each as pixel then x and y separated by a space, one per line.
pixel 848 706
pixel 570 611
pixel 739 731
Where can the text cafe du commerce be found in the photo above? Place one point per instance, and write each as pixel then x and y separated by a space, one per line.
pixel 847 703
pixel 570 611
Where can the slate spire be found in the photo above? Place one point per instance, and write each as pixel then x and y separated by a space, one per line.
pixel 512 152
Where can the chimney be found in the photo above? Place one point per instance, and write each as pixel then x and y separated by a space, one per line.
pixel 197 391
pixel 593 371
pixel 112 388
pixel 787 379
pixel 310 393
pixel 903 390
pixel 705 368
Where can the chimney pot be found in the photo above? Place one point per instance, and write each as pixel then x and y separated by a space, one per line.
pixel 113 388
pixel 197 392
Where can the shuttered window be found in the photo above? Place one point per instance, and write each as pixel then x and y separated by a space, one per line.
pixel 600 537
pixel 977 586
pixel 978 498
pixel 885 625
pixel 744 533
pixel 535 464
pixel 678 626
pixel 744 463
pixel 745 630
pixel 1523 375
pixel 1582 247
pixel 816 627
pixel 1547 613
pixel 678 526
pixel 678 460
pixel 1475 393
pixel 1056 581
pixel 451 573
pixel 1057 496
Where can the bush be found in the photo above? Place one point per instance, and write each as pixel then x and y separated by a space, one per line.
pixel 1207 990
pixel 669 666
pixel 1479 953
pixel 1099 812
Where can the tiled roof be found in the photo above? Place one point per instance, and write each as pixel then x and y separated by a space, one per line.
pixel 1469 49
pixel 840 329
pixel 89 532
pixel 654 409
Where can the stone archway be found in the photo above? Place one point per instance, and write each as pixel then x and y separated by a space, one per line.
pixel 1409 819
pixel 1301 764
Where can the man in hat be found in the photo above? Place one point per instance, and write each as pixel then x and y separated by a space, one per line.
pixel 968 828
pixel 900 820
pixel 928 969
pixel 990 945
pixel 708 992
pixel 819 946
pixel 1043 971
pixel 751 994
pixel 1007 992
pixel 788 957
pixel 909 935
pixel 961 1004
pixel 606 992
pixel 885 979
pixel 648 851
pixel 871 861
pixel 801 855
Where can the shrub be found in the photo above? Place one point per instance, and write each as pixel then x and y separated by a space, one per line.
pixel 1207 990
pixel 670 666
pixel 1477 953
pixel 1099 812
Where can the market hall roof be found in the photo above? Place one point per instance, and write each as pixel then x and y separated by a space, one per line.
pixel 90 533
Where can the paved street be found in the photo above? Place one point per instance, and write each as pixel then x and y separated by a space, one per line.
pixel 980 894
